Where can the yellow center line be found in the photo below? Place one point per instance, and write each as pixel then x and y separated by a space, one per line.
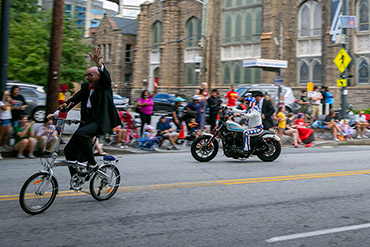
pixel 207 183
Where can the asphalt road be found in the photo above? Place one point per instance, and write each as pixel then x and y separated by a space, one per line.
pixel 308 197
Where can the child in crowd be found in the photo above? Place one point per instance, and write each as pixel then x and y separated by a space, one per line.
pixel 149 140
pixel 347 130
pixel 193 128
pixel 23 135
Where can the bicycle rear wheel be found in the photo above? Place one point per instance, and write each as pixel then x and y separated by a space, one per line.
pixel 103 188
pixel 38 193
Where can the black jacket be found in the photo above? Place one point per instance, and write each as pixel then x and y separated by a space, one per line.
pixel 104 110
pixel 268 110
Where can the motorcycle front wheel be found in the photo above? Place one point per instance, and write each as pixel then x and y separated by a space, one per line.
pixel 270 151
pixel 202 151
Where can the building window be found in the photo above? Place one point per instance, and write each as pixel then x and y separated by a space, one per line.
pixel 363 71
pixel 248 26
pixel 316 74
pixel 233 73
pixel 238 28
pixel 309 19
pixel 128 53
pixel 303 73
pixel 104 52
pixel 363 15
pixel 193 32
pixel 127 78
pixel 190 75
pixel 109 52
pixel 227 28
pixel 157 34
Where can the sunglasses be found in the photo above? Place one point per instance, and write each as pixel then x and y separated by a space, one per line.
pixel 90 74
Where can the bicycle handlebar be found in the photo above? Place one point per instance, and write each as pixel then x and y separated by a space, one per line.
pixel 69 121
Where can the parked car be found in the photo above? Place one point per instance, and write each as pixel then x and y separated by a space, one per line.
pixel 163 102
pixel 120 102
pixel 290 101
pixel 35 97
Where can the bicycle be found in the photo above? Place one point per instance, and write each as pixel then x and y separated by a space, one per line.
pixel 39 191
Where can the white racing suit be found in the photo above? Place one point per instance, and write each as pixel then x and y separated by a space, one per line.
pixel 254 124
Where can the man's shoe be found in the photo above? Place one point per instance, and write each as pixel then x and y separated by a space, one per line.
pixel 92 167
pixel 31 156
pixel 359 137
pixel 365 137
pixel 175 147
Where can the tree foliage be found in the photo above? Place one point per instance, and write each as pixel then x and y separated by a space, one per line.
pixel 29 46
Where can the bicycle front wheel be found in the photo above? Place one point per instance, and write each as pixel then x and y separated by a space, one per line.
pixel 102 187
pixel 38 193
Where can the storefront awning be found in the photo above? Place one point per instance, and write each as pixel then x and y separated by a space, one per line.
pixel 265 63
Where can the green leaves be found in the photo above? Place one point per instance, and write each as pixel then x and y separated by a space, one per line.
pixel 29 39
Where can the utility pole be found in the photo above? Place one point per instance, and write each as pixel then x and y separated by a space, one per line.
pixel 4 44
pixel 56 41
pixel 344 90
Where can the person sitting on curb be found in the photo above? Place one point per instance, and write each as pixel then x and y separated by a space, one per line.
pixel 331 122
pixel 23 134
pixel 149 140
pixel 361 125
pixel 46 137
pixel 165 131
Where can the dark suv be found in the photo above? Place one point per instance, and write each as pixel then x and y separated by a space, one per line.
pixel 35 97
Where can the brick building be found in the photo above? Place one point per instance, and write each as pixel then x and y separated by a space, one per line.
pixel 237 30
pixel 116 37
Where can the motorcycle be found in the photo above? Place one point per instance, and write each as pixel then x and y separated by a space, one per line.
pixel 266 145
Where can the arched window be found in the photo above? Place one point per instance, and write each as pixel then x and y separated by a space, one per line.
pixel 303 73
pixel 363 71
pixel 193 31
pixel 304 21
pixel 227 29
pixel 309 17
pixel 316 7
pixel 248 75
pixel 248 26
pixel 363 15
pixel 238 28
pixel 257 24
pixel 239 2
pixel 316 73
pixel 157 33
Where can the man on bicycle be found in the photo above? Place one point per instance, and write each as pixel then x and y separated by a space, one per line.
pixel 98 112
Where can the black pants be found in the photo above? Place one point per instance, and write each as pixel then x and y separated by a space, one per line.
pixel 80 147
pixel 213 117
pixel 145 119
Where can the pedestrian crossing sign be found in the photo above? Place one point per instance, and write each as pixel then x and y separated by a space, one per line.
pixel 342 83
pixel 342 60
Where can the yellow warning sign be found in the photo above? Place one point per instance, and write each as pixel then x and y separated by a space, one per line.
pixel 309 86
pixel 342 60
pixel 342 83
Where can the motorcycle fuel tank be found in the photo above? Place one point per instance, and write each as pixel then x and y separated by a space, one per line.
pixel 232 126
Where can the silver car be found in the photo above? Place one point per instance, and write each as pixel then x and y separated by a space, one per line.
pixel 290 101
pixel 35 97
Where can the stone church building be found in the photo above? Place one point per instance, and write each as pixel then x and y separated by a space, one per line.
pixel 116 37
pixel 179 48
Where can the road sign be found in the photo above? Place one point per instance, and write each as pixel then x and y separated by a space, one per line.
pixel 342 83
pixel 309 86
pixel 342 60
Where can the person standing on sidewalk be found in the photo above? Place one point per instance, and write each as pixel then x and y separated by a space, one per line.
pixel 214 107
pixel 231 97
pixel 315 98
pixel 5 119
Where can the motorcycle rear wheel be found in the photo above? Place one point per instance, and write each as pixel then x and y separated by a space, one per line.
pixel 200 150
pixel 272 151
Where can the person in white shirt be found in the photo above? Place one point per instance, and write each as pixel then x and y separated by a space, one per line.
pixel 315 98
pixel 5 119
pixel 361 125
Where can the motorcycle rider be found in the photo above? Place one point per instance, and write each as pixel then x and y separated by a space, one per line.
pixel 253 118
